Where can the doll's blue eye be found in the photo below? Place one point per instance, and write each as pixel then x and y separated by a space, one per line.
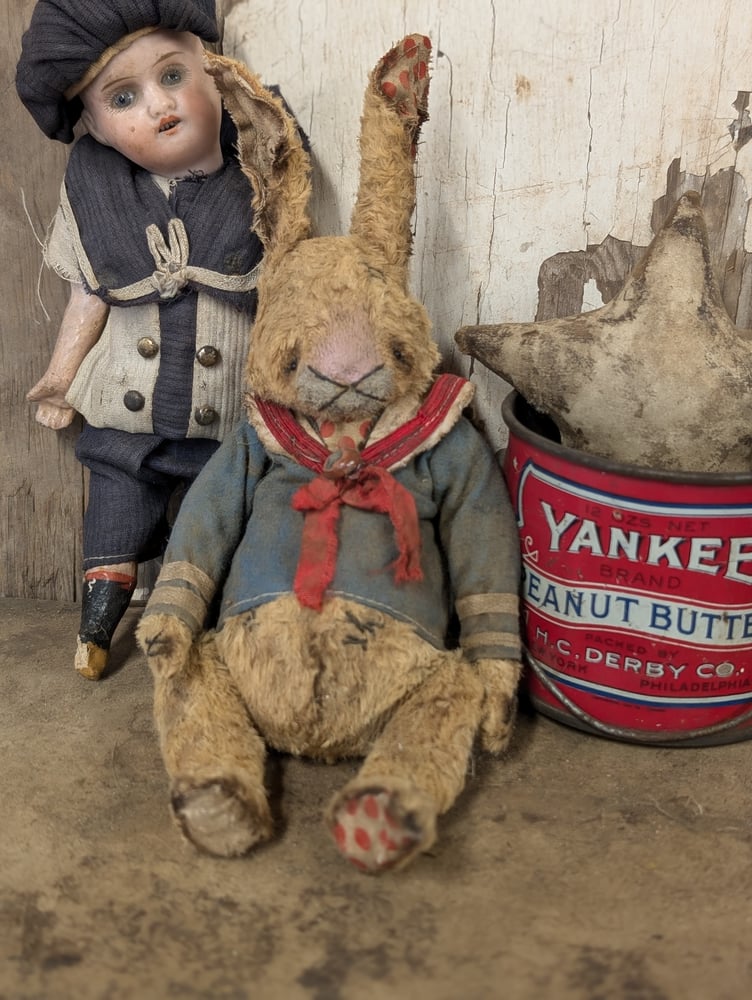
pixel 121 99
pixel 172 76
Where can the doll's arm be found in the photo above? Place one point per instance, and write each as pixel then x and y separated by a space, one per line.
pixel 82 324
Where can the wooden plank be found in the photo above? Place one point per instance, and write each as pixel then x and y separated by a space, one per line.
pixel 41 496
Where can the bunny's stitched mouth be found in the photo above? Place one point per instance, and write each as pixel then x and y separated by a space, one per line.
pixel 368 397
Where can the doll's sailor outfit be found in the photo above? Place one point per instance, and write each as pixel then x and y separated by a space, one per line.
pixel 178 266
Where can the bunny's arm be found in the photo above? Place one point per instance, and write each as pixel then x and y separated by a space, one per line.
pixel 479 534
pixel 204 538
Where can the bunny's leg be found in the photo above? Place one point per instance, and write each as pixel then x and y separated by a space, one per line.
pixel 414 771
pixel 214 757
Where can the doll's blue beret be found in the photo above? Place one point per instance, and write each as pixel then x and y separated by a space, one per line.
pixel 65 37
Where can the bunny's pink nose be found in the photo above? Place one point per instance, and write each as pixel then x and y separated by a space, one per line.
pixel 347 355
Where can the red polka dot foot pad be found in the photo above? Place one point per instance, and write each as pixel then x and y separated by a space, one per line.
pixel 374 833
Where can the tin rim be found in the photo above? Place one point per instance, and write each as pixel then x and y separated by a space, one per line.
pixel 512 411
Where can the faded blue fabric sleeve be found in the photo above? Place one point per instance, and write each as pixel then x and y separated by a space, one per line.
pixel 479 536
pixel 207 530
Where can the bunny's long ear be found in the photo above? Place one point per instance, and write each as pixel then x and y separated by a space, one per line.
pixel 270 152
pixel 394 108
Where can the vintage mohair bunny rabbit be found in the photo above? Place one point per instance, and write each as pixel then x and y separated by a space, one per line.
pixel 332 539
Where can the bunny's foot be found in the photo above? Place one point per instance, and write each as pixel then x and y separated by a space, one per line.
pixel 219 819
pixel 377 830
pixel 402 77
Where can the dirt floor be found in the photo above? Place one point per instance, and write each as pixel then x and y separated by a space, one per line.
pixel 575 869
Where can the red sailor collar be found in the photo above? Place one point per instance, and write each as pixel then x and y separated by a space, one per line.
pixel 438 412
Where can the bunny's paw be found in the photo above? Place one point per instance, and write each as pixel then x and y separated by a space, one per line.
pixel 374 831
pixel 219 819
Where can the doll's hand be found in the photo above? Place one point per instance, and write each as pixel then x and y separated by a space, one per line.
pixel 166 641
pixel 500 680
pixel 52 411
pixel 56 417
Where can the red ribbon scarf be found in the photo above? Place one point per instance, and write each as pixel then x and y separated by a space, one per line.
pixel 371 488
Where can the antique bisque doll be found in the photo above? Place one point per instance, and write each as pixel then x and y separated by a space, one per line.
pixel 154 234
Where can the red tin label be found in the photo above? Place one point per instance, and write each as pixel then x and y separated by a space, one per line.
pixel 636 593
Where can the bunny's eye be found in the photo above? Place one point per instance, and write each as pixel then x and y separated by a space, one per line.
pixel 291 365
pixel 399 355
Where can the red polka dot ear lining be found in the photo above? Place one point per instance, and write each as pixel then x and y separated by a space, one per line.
pixel 405 79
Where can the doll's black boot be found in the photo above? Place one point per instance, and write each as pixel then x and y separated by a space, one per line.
pixel 105 600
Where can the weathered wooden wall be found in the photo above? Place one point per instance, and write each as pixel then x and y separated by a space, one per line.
pixel 560 133
pixel 41 483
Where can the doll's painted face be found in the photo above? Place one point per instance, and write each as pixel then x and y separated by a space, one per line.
pixel 154 103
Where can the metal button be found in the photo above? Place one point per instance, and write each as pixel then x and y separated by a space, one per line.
pixel 147 347
pixel 205 415
pixel 207 356
pixel 134 401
